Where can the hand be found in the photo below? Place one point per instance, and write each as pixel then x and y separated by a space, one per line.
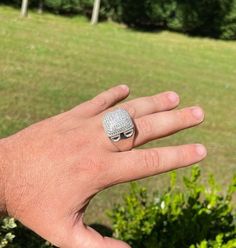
pixel 55 167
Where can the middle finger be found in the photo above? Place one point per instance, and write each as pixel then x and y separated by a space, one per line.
pixel 158 125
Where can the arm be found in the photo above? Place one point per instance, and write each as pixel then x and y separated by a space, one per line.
pixel 3 164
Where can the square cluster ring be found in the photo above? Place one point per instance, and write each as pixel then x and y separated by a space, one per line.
pixel 118 125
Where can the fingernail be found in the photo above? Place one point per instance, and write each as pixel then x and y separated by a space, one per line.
pixel 124 87
pixel 173 97
pixel 201 150
pixel 197 113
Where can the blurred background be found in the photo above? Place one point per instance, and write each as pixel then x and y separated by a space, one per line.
pixel 52 58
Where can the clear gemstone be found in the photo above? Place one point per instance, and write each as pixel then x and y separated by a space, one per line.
pixel 117 122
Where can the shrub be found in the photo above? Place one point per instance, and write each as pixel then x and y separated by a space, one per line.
pixel 72 7
pixel 212 18
pixel 162 12
pixel 63 6
pixel 142 13
pixel 133 13
pixel 204 17
pixel 200 217
pixel 6 235
pixel 228 29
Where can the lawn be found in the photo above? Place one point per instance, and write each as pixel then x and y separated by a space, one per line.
pixel 49 64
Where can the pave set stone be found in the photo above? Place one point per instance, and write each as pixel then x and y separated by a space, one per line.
pixel 118 124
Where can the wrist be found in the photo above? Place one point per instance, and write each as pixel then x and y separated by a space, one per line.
pixel 3 164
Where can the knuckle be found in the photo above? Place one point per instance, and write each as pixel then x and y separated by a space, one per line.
pixel 144 126
pixel 159 100
pixel 182 117
pixel 110 92
pixel 182 156
pixel 151 160
pixel 104 98
pixel 129 108
pixel 156 99
pixel 115 92
pixel 99 101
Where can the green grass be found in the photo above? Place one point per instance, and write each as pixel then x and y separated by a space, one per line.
pixel 49 64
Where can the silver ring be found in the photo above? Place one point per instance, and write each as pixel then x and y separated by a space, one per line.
pixel 118 125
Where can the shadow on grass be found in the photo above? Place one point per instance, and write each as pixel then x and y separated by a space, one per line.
pixel 157 30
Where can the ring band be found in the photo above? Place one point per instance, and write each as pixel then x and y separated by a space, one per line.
pixel 118 125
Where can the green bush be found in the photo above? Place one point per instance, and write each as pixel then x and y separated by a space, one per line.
pixel 63 6
pixel 213 18
pixel 134 13
pixel 204 17
pixel 6 235
pixel 198 217
pixel 228 29
pixel 72 7
pixel 161 12
pixel 143 13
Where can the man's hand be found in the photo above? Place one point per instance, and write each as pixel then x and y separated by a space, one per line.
pixel 54 168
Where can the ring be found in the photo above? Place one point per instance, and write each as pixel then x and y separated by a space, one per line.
pixel 118 125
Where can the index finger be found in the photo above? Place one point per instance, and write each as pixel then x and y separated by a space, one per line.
pixel 151 104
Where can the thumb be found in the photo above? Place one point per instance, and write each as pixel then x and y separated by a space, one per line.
pixel 83 236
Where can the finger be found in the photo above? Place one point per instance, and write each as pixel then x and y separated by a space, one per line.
pixel 138 164
pixel 158 125
pixel 102 101
pixel 151 104
pixel 86 237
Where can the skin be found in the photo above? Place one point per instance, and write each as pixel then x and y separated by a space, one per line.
pixel 48 175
